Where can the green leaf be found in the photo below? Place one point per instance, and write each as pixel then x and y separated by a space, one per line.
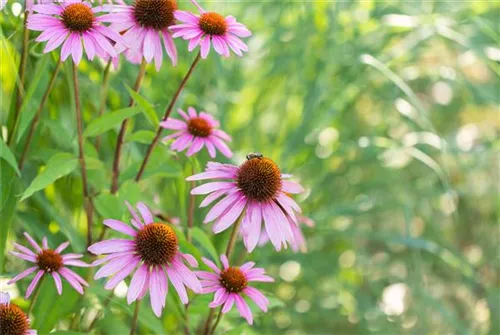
pixel 9 185
pixel 204 241
pixel 51 307
pixel 66 332
pixel 28 108
pixel 58 166
pixel 109 120
pixel 146 107
pixel 8 156
pixel 141 136
pixel 109 206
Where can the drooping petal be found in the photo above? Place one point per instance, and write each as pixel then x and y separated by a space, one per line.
pixel 33 284
pixel 260 300
pixel 23 274
pixel 139 280
pixel 243 308
pixel 57 281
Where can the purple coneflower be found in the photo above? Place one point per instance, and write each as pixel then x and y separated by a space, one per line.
pixel 70 22
pixel 299 243
pixel 154 251
pixel 12 318
pixel 256 191
pixel 143 25
pixel 211 28
pixel 50 262
pixel 230 285
pixel 197 131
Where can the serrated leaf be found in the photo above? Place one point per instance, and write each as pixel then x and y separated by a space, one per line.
pixel 58 166
pixel 146 107
pixel 109 121
pixel 8 156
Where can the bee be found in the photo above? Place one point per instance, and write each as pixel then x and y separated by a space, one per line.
pixel 253 155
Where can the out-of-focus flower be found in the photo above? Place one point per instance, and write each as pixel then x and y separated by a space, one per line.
pixel 197 131
pixel 68 24
pixel 230 285
pixel 49 262
pixel 12 318
pixel 257 191
pixel 299 243
pixel 154 251
pixel 211 28
pixel 143 25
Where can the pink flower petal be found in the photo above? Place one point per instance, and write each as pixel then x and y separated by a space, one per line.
pixel 34 282
pixel 111 246
pixel 120 227
pixel 139 280
pixel 243 308
pixel 57 281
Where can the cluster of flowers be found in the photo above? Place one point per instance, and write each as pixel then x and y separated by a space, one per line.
pixel 136 30
pixel 255 197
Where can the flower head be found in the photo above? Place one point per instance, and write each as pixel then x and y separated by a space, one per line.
pixel 230 285
pixel 71 22
pixel 144 24
pixel 12 318
pixel 256 191
pixel 49 262
pixel 211 28
pixel 299 242
pixel 197 131
pixel 153 253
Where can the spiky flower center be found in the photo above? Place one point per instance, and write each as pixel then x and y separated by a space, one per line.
pixel 199 127
pixel 78 17
pixel 213 23
pixel 259 179
pixel 156 14
pixel 233 280
pixel 49 261
pixel 13 321
pixel 156 243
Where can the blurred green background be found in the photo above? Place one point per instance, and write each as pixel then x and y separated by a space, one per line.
pixel 386 111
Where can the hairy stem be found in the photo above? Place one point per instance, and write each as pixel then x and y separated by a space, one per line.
pixel 123 130
pixel 134 319
pixel 35 295
pixel 81 157
pixel 34 123
pixel 20 85
pixel 104 95
pixel 165 117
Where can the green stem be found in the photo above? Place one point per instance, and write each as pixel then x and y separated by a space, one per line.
pixel 104 95
pixel 191 208
pixel 20 84
pixel 165 117
pixel 219 317
pixel 35 295
pixel 34 123
pixel 123 129
pixel 135 317
pixel 87 202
